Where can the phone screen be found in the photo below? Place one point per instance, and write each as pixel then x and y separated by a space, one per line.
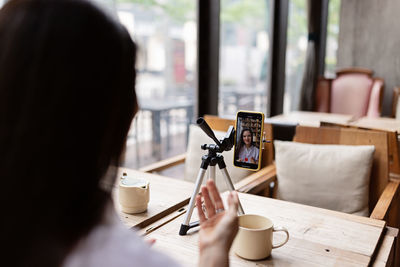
pixel 248 140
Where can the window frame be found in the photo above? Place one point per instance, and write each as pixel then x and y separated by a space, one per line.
pixel 208 54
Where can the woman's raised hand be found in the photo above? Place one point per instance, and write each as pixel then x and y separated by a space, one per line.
pixel 218 227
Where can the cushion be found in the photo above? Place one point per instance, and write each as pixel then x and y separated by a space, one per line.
pixel 193 159
pixel 333 177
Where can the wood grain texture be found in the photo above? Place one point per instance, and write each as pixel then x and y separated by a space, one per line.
pixel 394 159
pixel 387 124
pixel 313 119
pixel 385 256
pixel 383 206
pixel 393 217
pixel 166 196
pixel 258 181
pixel 318 237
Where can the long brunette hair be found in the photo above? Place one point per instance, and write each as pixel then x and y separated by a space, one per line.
pixel 241 142
pixel 67 99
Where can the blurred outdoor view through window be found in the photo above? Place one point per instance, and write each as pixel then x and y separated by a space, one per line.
pixel 297 45
pixel 295 53
pixel 165 32
pixel 244 48
pixel 332 38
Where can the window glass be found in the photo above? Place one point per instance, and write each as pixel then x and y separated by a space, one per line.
pixel 165 32
pixel 295 53
pixel 244 46
pixel 332 38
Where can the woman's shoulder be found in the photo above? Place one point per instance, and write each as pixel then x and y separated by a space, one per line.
pixel 112 244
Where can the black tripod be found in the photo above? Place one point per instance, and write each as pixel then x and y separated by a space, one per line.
pixel 211 159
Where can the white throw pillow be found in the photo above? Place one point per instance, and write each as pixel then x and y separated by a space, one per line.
pixel 193 159
pixel 334 177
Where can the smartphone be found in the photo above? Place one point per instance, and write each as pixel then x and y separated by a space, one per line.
pixel 248 140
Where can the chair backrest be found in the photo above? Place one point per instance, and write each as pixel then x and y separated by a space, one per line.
pixel 353 91
pixel 396 103
pixel 283 131
pixel 347 136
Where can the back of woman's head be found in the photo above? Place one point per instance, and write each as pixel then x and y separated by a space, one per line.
pixel 66 102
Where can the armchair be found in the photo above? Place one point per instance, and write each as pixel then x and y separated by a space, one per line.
pixel 383 187
pixel 354 91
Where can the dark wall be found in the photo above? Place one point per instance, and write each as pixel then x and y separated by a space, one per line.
pixel 370 37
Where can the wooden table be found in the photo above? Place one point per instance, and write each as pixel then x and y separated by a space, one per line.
pixel 318 237
pixel 166 196
pixel 386 124
pixel 307 118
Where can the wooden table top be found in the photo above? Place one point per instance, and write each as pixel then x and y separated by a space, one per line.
pixel 307 118
pixel 318 237
pixel 387 124
pixel 166 196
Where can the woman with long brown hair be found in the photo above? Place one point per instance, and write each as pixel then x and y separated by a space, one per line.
pixel 246 150
pixel 67 100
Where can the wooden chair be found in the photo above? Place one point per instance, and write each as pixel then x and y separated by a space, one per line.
pixel 354 91
pixel 384 187
pixel 396 103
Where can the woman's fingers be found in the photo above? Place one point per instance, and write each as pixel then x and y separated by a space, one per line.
pixel 202 216
pixel 212 188
pixel 233 202
pixel 210 208
pixel 213 201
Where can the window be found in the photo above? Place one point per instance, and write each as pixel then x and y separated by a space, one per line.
pixel 332 38
pixel 244 46
pixel 165 32
pixel 295 53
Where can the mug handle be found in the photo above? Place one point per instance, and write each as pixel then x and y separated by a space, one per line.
pixel 281 229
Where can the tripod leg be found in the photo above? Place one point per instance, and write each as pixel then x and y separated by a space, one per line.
pixel 186 226
pixel 231 187
pixel 211 173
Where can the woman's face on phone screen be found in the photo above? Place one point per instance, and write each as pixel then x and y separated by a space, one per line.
pixel 247 138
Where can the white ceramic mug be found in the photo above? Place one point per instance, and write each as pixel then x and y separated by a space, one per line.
pixel 254 240
pixel 134 194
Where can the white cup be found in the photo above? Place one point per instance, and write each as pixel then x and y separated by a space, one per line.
pixel 254 240
pixel 134 194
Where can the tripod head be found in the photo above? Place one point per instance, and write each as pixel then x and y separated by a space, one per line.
pixel 220 146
